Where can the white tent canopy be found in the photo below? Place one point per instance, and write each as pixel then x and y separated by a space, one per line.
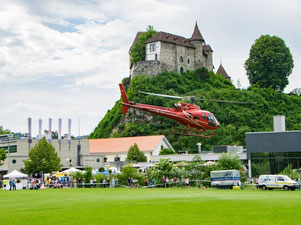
pixel 71 170
pixel 15 174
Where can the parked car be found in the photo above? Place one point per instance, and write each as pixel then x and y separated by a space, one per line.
pixel 276 182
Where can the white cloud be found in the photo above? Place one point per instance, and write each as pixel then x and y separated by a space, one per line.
pixel 65 58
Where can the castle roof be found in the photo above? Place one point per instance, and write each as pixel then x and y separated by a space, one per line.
pixel 136 39
pixel 196 36
pixel 223 72
pixel 170 38
pixel 207 48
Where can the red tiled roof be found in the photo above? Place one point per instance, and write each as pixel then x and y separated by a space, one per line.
pixel 207 48
pixel 196 36
pixel 117 145
pixel 170 38
pixel 223 72
pixel 136 39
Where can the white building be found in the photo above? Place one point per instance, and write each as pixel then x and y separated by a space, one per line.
pixel 116 149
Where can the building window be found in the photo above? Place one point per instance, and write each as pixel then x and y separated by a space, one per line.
pixel 181 59
pixel 105 159
pixel 152 47
pixel 162 147
pixel 10 148
pixel 156 56
pixel 14 161
pixel 98 160
pixel 188 61
pixel 117 159
pixel 181 70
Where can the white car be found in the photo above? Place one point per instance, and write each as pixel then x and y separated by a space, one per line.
pixel 276 182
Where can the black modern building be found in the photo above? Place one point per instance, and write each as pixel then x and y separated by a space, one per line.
pixel 271 152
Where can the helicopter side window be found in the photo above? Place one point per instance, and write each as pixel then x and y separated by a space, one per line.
pixel 210 118
pixel 197 118
pixel 204 116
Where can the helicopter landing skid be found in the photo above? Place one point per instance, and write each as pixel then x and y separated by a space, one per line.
pixel 193 132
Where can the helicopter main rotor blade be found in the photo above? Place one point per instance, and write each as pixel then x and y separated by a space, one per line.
pixel 193 98
pixel 161 95
pixel 222 101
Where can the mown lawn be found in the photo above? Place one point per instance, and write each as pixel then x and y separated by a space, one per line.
pixel 149 206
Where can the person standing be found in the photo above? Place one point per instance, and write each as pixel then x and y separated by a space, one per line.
pixel 298 182
pixel 4 184
pixel 164 181
pixel 14 185
pixel 187 182
pixel 145 182
pixel 10 184
pixel 167 182
pixel 174 181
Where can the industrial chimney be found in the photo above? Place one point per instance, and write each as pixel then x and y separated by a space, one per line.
pixel 279 123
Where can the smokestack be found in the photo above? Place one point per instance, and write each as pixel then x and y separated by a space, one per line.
pixel 69 131
pixel 29 131
pixel 59 139
pixel 279 123
pixel 40 129
pixel 49 131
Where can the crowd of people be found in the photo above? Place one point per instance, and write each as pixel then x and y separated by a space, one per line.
pixel 11 182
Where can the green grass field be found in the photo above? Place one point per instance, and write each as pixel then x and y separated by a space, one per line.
pixel 150 206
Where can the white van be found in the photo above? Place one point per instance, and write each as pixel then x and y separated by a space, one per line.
pixel 276 181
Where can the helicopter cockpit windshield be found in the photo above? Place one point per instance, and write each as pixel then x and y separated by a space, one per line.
pixel 212 119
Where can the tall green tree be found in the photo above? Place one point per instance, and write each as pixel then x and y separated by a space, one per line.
pixel 4 131
pixel 134 154
pixel 270 63
pixel 138 51
pixel 229 162
pixel 42 158
pixel 2 156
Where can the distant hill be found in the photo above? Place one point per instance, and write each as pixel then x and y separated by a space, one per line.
pixel 234 119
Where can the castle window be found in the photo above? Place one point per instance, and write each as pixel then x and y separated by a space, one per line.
pixel 181 70
pixel 188 61
pixel 156 56
pixel 152 47
pixel 105 159
pixel 181 59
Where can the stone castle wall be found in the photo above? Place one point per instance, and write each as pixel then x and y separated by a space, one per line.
pixel 176 58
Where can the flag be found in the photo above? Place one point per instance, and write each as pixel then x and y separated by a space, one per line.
pixel 69 131
pixel 29 131
pixel 59 139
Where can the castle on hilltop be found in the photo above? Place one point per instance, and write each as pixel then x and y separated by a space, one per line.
pixel 170 52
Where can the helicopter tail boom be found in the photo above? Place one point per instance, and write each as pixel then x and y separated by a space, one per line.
pixel 124 99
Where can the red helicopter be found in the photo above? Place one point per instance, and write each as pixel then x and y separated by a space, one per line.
pixel 198 122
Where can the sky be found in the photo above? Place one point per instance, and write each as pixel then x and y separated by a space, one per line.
pixel 65 58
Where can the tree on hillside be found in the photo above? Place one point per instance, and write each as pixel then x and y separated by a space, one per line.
pixel 296 91
pixel 270 63
pixel 42 158
pixel 2 156
pixel 134 154
pixel 138 51
pixel 3 131
pixel 167 151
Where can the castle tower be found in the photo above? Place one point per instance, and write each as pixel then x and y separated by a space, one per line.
pixel 198 41
pixel 223 72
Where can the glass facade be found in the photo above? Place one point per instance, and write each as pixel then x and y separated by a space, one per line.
pixel 273 162
pixel 10 148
